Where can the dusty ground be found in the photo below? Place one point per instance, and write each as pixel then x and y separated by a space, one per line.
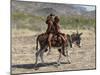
pixel 23 54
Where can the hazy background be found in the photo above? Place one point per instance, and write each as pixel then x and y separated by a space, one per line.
pixel 32 15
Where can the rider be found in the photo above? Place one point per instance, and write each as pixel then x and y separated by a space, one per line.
pixel 50 30
pixel 57 26
pixel 58 32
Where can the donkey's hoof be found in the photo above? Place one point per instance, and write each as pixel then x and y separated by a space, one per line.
pixel 68 62
pixel 58 64
pixel 36 68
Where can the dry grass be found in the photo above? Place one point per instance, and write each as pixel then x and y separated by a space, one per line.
pixel 23 53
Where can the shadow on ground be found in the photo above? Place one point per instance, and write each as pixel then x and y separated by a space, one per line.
pixel 32 66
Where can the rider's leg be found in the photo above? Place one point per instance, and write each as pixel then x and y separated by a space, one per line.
pixel 63 37
pixel 64 44
pixel 49 42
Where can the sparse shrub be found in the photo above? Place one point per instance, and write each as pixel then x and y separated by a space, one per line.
pixel 37 23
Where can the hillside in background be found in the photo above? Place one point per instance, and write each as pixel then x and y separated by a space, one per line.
pixel 32 15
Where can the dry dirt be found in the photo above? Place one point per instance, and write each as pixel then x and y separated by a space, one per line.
pixel 23 54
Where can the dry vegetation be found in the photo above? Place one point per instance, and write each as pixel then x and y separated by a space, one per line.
pixel 23 53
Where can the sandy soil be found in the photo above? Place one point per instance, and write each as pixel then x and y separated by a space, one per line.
pixel 23 54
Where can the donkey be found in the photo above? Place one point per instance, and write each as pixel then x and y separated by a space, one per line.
pixel 55 42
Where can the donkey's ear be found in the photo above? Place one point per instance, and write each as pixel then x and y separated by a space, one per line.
pixel 80 34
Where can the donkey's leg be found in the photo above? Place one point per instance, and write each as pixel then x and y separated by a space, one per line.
pixel 37 55
pixel 58 62
pixel 41 55
pixel 42 52
pixel 68 58
pixel 63 50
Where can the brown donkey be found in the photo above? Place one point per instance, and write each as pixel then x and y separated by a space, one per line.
pixel 56 41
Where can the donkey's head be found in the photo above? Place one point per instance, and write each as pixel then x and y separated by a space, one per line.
pixel 76 38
